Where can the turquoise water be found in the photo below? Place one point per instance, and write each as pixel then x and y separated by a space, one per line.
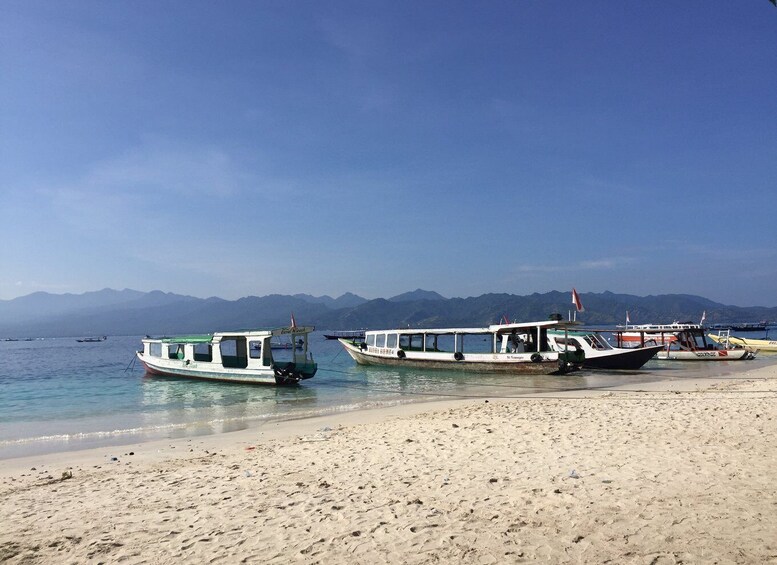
pixel 60 395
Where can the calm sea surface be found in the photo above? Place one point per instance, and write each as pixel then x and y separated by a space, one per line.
pixel 60 395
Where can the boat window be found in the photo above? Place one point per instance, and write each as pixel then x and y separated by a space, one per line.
pixel 155 349
pixel 411 342
pixel 439 342
pixel 476 343
pixel 391 341
pixel 371 340
pixel 693 340
pixel 175 351
pixel 380 340
pixel 234 352
pixel 203 352
pixel 513 342
pixel 531 341
pixel 255 349
pixel 600 342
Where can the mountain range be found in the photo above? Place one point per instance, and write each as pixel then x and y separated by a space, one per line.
pixel 131 312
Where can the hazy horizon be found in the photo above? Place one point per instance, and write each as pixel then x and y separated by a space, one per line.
pixel 335 297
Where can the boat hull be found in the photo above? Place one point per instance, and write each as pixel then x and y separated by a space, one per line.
pixel 280 374
pixel 621 359
pixel 545 363
pixel 708 355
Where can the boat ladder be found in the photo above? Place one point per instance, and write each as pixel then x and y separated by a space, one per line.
pixel 724 336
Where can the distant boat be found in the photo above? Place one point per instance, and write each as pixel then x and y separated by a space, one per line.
pixel 92 339
pixel 742 327
pixel 287 344
pixel 510 348
pixel 238 357
pixel 346 334
pixel 650 334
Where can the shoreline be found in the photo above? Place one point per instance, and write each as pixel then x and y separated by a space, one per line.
pixel 132 437
pixel 286 427
pixel 682 471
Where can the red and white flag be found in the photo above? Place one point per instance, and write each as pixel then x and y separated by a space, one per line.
pixel 293 321
pixel 576 301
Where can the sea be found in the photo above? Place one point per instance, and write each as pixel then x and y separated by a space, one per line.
pixel 57 394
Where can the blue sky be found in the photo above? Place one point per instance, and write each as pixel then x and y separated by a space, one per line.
pixel 248 148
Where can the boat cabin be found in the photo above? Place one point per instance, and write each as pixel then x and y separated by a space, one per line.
pixel 502 338
pixel 233 350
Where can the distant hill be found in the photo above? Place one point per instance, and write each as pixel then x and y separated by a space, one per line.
pixel 129 312
pixel 347 300
pixel 417 294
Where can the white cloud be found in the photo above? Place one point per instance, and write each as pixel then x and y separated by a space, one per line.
pixel 588 265
pixel 169 168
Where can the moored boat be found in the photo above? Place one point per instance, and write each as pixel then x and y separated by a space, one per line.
pixel 739 342
pixel 742 327
pixel 521 348
pixel 244 356
pixel 599 353
pixel 92 339
pixel 692 345
pixel 650 334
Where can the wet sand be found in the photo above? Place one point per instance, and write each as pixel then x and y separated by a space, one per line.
pixel 681 471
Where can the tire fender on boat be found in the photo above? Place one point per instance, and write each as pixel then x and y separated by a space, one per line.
pixel 401 354
pixel 536 358
pixel 458 356
pixel 363 346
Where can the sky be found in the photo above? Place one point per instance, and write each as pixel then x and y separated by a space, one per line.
pixel 259 147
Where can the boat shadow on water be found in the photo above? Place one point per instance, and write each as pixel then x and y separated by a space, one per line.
pixel 184 392
pixel 429 385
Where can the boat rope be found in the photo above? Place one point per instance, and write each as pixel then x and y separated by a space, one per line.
pixel 338 353
pixel 131 364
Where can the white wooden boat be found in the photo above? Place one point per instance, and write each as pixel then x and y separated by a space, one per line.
pixel 244 356
pixel 738 342
pixel 511 348
pixel 692 345
pixel 599 353
pixel 650 334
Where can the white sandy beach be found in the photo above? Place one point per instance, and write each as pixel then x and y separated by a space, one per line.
pixel 674 472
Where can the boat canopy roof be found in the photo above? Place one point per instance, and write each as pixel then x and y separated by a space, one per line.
pixel 256 333
pixel 205 338
pixel 495 328
pixel 580 332
pixel 657 327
